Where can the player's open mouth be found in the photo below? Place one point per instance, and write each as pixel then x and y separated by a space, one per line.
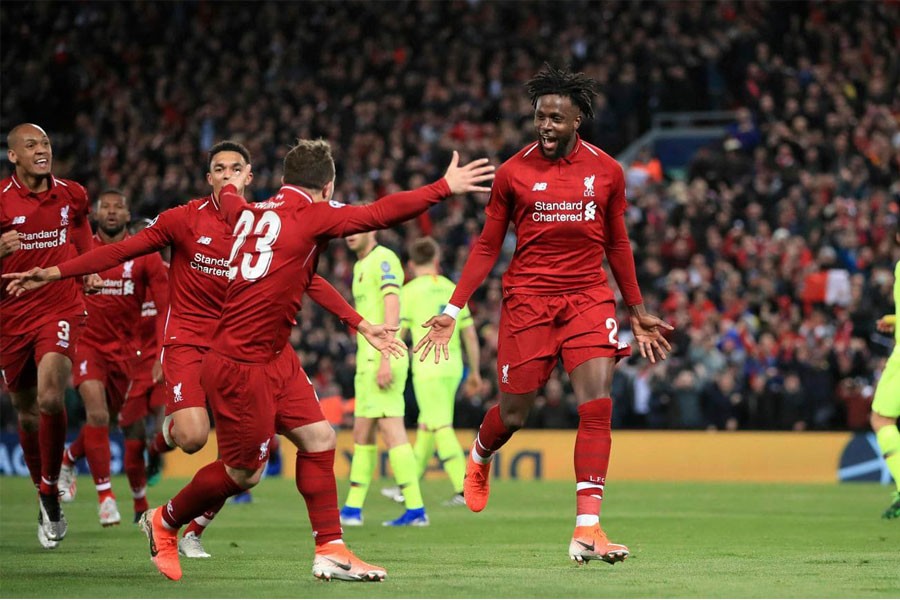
pixel 548 143
pixel 42 162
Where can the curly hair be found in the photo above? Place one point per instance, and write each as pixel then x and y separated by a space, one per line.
pixel 580 88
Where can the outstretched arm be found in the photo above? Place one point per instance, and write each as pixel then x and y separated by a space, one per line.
pixel 479 264
pixel 323 293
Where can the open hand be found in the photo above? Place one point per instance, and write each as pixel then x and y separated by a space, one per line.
pixel 28 280
pixel 383 338
pixel 648 334
pixel 463 179
pixel 442 327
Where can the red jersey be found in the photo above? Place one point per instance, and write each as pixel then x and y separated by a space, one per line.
pixel 566 214
pixel 149 338
pixel 114 311
pixel 276 250
pixel 53 227
pixel 200 240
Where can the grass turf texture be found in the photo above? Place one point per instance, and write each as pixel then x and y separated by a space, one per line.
pixel 686 540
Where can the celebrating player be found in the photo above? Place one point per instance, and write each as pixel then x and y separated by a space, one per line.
pixel 252 375
pixel 43 220
pixel 435 385
pixel 566 199
pixel 105 357
pixel 201 241
pixel 886 404
pixel 379 385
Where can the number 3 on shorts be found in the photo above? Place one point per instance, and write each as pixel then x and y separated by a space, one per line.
pixel 63 333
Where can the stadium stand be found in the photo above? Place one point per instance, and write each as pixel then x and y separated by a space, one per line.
pixel 772 254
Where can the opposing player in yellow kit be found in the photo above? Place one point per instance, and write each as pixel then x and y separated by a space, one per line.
pixel 377 277
pixel 435 385
pixel 886 405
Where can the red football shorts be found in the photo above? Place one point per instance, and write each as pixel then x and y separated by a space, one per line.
pixel 536 331
pixel 181 370
pixel 21 354
pixel 114 374
pixel 251 402
pixel 143 397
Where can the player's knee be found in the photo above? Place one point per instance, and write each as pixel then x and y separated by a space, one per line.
pixel 514 421
pixel 97 418
pixel 191 441
pixel 327 439
pixel 245 478
pixel 51 400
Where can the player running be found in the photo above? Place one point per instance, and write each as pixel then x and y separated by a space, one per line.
pixel 566 199
pixel 106 353
pixel 43 220
pixel 252 375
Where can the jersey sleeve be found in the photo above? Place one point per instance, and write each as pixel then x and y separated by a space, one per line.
pixel 618 246
pixel 231 204
pixel 333 219
pixel 159 234
pixel 81 226
pixel 323 293
pixel 157 285
pixel 389 275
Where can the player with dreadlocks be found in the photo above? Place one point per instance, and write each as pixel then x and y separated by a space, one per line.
pixel 566 199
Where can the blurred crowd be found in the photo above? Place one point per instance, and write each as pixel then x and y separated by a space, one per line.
pixel 773 257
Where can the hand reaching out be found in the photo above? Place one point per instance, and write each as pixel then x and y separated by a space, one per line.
pixel 463 179
pixel 28 280
pixel 383 338
pixel 648 334
pixel 442 327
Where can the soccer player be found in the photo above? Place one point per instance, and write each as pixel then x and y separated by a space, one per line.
pixel 252 375
pixel 201 243
pixel 566 199
pixel 886 404
pixel 435 385
pixel 106 353
pixel 379 385
pixel 43 220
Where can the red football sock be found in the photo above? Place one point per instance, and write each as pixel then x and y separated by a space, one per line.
pixel 592 446
pixel 159 445
pixel 31 449
pixel 136 472
pixel 75 450
pixel 96 448
pixel 52 436
pixel 492 434
pixel 314 476
pixel 210 487
pixel 198 525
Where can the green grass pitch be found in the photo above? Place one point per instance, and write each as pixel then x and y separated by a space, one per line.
pixel 687 540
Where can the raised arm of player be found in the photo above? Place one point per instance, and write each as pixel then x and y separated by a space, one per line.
pixel 397 208
pixel 473 357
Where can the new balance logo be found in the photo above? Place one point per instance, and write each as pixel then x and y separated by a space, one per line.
pixel 176 392
pixel 206 241
pixel 18 220
pixel 505 373
pixel 539 187
pixel 590 210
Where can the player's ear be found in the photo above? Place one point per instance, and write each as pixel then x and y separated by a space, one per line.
pixel 249 176
pixel 11 155
pixel 328 190
pixel 209 178
pixel 578 120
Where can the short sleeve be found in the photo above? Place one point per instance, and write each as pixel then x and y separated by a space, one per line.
pixel 390 274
